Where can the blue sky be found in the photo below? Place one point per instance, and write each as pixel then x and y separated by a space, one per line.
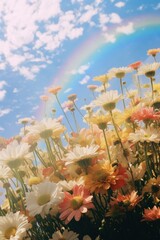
pixel 45 43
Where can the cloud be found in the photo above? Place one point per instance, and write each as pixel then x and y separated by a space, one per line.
pixel 126 29
pixel 85 80
pixel 15 90
pixel 120 4
pixel 67 90
pixel 4 111
pixel 2 91
pixel 81 70
pixel 110 38
pixel 115 18
pixel 89 13
pixel 157 7
pixel 2 94
pixel 141 7
pixel 2 129
pixel 2 84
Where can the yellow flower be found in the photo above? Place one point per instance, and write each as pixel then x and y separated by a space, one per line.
pixel 34 181
pixel 125 116
pixel 102 78
pixel 101 120
pixel 99 178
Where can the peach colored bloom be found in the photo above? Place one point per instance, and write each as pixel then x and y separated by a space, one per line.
pixel 153 51
pixel 120 175
pixel 135 65
pixel 54 90
pixel 145 113
pixel 151 214
pixel 123 203
pixel 47 171
pixel 72 97
pixel 74 205
pixel 44 98
pixel 92 87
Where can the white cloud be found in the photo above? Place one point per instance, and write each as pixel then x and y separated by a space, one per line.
pixel 89 13
pixel 15 90
pixel 2 84
pixel 81 70
pixel 120 4
pixel 4 111
pixel 85 80
pixel 2 94
pixel 126 29
pixel 67 90
pixel 157 7
pixel 110 38
pixel 141 7
pixel 115 18
pixel 1 129
pixel 2 91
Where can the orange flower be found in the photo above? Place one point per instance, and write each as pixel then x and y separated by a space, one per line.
pixel 44 98
pixel 74 205
pixel 54 90
pixel 151 214
pixel 135 65
pixel 145 113
pixel 153 51
pixel 104 176
pixel 47 171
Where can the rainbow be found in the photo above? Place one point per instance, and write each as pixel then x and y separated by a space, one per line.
pixel 89 47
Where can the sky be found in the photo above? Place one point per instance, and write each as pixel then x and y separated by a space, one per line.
pixel 47 43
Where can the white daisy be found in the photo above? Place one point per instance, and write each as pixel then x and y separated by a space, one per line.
pixel 13 226
pixel 66 235
pixel 148 69
pixel 47 128
pixel 79 154
pixel 14 154
pixel 107 100
pixel 42 197
pixel 5 172
pixel 145 135
pixel 120 72
pixel 67 186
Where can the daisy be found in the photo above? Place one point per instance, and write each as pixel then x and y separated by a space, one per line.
pixel 66 235
pixel 144 135
pixel 135 65
pixel 120 72
pixel 13 226
pixel 5 172
pixel 145 114
pixel 15 153
pixel 47 128
pixel 151 214
pixel 148 69
pixel 103 78
pixel 54 90
pixel 153 187
pixel 44 98
pixel 107 100
pixel 75 204
pixel 42 197
pixel 153 51
pixel 81 155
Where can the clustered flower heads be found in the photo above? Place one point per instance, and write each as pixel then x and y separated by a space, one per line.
pixel 98 182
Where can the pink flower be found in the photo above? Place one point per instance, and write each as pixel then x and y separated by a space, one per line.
pixel 135 65
pixel 74 205
pixel 151 214
pixel 145 113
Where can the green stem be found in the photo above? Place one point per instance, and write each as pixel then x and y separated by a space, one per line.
pixel 109 156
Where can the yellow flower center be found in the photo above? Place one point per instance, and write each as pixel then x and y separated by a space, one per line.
pixel 34 181
pixel 10 232
pixel 44 199
pixel 76 202
pixel 120 74
pixel 46 133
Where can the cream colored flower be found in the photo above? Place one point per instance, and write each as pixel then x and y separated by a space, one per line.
pixel 145 135
pixel 15 153
pixel 120 72
pixel 66 235
pixel 79 154
pixel 5 172
pixel 107 100
pixel 43 196
pixel 148 69
pixel 46 128
pixel 13 226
